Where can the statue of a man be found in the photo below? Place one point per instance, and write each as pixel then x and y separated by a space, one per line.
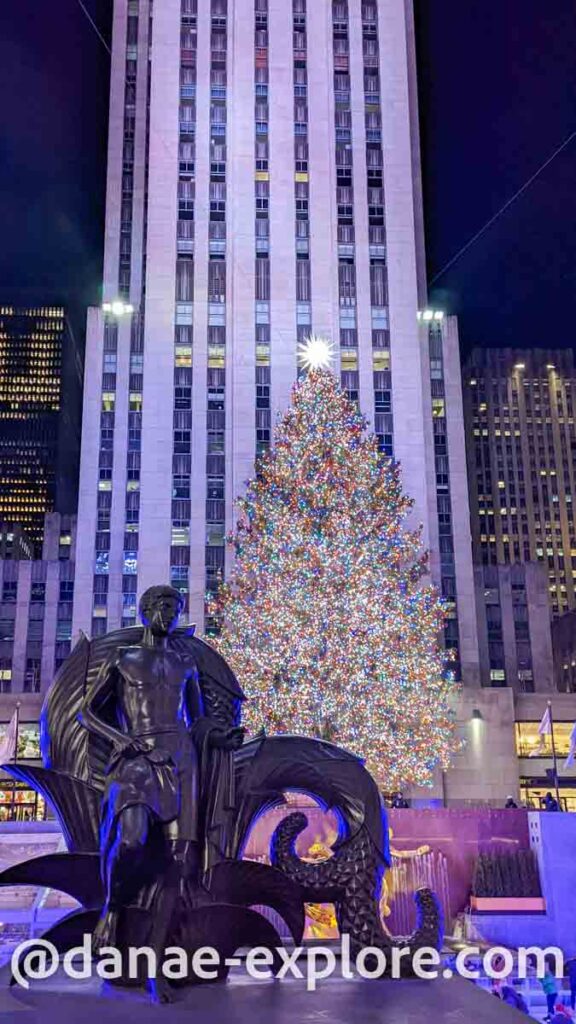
pixel 147 702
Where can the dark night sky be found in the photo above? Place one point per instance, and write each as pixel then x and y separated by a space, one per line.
pixel 497 84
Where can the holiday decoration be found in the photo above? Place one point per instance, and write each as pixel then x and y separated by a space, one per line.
pixel 328 618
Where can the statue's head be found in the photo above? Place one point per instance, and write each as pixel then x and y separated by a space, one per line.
pixel 160 609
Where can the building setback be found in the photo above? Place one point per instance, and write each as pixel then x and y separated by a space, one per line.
pixel 514 630
pixel 263 185
pixel 519 411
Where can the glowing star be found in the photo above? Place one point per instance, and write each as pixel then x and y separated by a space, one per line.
pixel 316 353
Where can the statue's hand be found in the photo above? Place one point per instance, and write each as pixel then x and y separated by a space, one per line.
pixel 228 739
pixel 130 748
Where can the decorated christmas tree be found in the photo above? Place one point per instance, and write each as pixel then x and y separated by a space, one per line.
pixel 328 618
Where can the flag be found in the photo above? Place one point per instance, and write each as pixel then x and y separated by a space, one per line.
pixel 9 740
pixel 544 729
pixel 571 759
pixel 545 726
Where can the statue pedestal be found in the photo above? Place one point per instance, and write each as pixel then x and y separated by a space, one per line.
pixel 59 1000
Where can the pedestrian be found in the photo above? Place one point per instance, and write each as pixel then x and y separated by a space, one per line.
pixel 514 998
pixel 571 973
pixel 550 803
pixel 550 988
pixel 399 802
pixel 510 803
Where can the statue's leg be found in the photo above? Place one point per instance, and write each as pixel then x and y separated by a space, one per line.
pixel 183 866
pixel 121 870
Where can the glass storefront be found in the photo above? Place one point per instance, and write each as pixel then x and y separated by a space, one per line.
pixel 531 794
pixel 28 740
pixel 530 744
pixel 20 803
pixel 534 786
pixel 17 801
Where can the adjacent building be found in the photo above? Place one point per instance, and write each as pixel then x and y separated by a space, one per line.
pixel 39 431
pixel 263 185
pixel 519 414
pixel 36 597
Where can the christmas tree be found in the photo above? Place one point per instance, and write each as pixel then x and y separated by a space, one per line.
pixel 328 618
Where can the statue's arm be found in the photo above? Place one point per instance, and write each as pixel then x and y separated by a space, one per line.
pixel 104 686
pixel 194 701
pixel 203 727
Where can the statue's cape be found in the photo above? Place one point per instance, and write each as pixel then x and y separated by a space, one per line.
pixel 68 747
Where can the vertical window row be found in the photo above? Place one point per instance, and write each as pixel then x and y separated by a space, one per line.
pixel 183 340
pixel 110 358
pixel 345 200
pixel 443 500
pixel 126 215
pixel 135 395
pixel 376 229
pixel 301 172
pixel 262 226
pixel 35 633
pixel 133 459
pixel 216 374
pixel 105 464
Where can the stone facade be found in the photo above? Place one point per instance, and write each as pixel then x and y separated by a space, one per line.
pixel 514 631
pixel 283 200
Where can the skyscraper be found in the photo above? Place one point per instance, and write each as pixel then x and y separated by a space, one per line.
pixel 263 185
pixel 37 434
pixel 519 407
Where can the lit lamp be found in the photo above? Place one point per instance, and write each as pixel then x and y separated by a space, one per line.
pixel 117 307
pixel 476 731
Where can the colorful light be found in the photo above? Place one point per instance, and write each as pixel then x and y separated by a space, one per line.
pixel 328 618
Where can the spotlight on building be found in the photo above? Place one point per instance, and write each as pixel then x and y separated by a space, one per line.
pixel 477 733
pixel 117 307
pixel 430 314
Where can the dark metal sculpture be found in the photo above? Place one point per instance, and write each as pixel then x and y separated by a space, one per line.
pixel 145 766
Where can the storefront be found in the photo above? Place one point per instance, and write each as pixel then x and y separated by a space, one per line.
pixel 535 752
pixel 17 801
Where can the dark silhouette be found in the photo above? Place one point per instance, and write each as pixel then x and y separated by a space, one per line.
pixel 156 792
pixel 399 802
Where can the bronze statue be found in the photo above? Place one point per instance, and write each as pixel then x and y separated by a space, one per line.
pixel 156 791
pixel 158 740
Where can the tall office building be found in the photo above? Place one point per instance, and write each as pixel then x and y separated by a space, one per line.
pixel 39 439
pixel 519 408
pixel 263 185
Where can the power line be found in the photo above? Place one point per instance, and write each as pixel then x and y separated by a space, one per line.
pixel 95 27
pixel 503 208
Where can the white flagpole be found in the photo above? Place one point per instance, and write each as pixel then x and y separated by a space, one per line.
pixel 554 754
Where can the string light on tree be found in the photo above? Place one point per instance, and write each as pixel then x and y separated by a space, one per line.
pixel 316 353
pixel 328 618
